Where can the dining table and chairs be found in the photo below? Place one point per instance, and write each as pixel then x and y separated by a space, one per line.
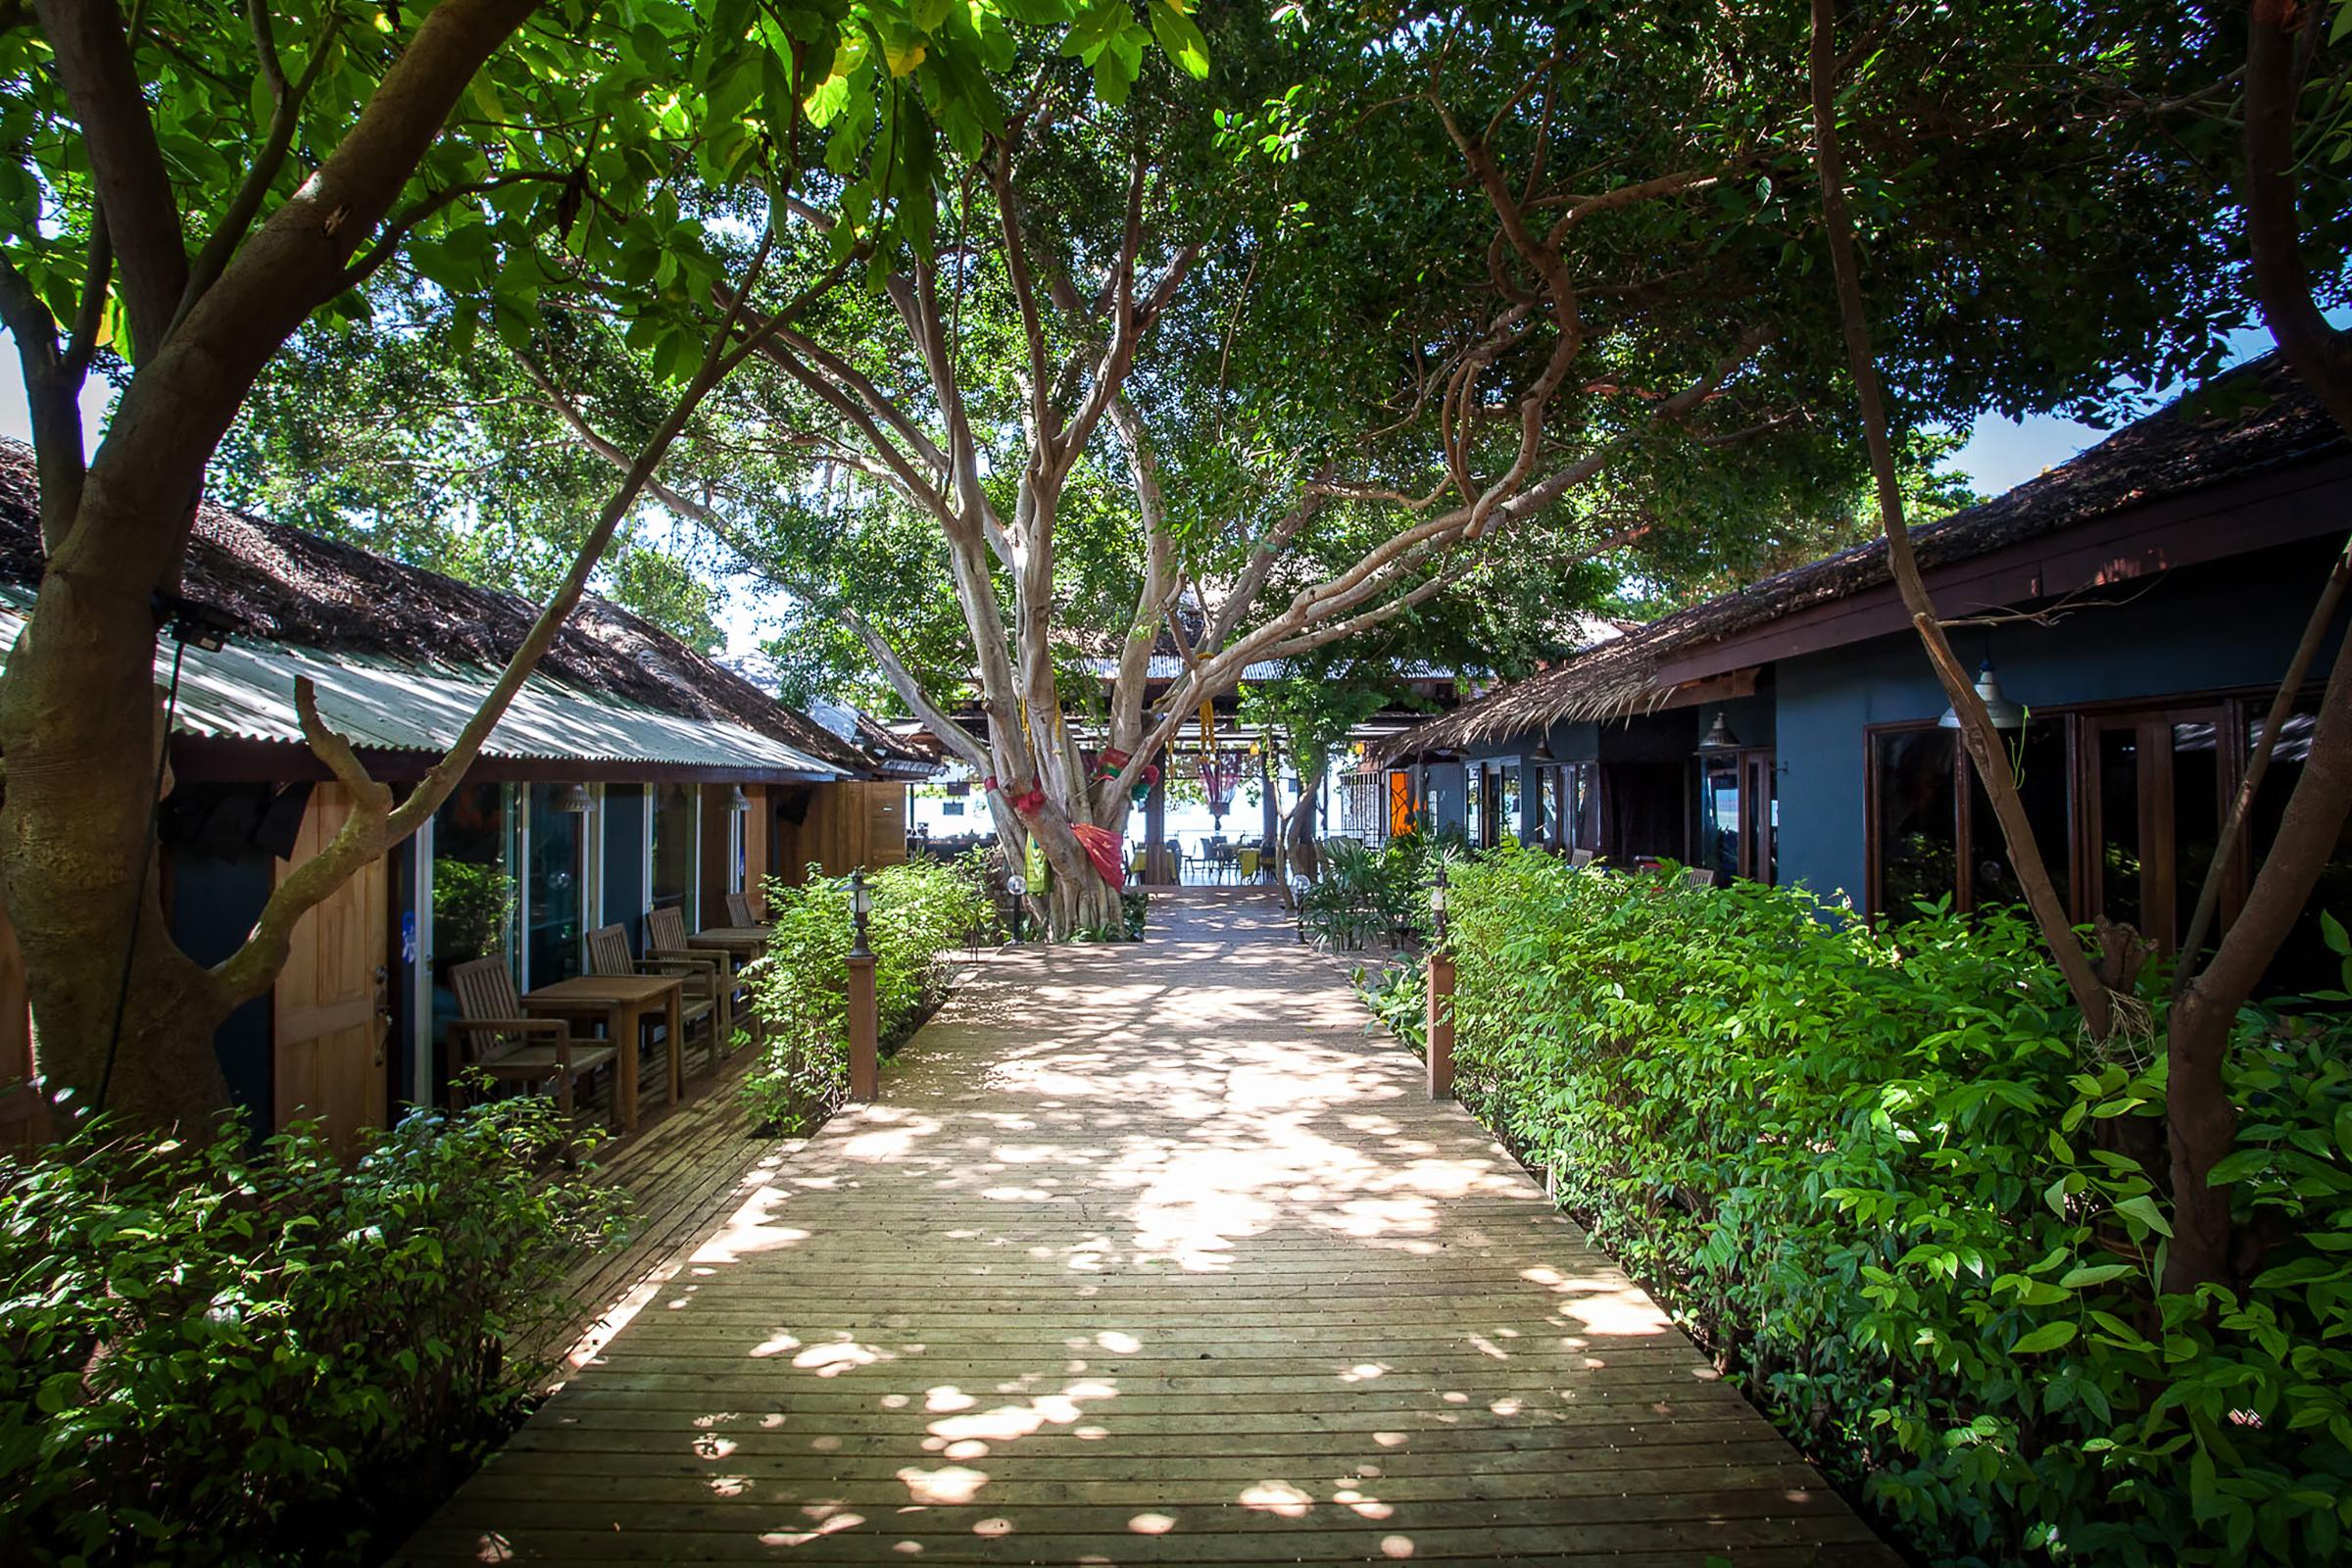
pixel 623 1004
pixel 571 1029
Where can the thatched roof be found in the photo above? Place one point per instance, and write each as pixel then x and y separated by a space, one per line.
pixel 2180 448
pixel 286 586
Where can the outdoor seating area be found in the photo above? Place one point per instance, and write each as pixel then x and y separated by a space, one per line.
pixel 1208 861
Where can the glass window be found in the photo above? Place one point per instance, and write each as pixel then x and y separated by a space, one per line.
pixel 1719 821
pixel 1582 783
pixel 674 846
pixel 2304 964
pixel 473 886
pixel 1507 821
pixel 2038 761
pixel 556 905
pixel 2120 897
pixel 1918 818
pixel 2197 809
pixel 1764 800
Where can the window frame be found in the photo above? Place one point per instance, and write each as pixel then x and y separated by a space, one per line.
pixel 1756 773
pixel 2233 710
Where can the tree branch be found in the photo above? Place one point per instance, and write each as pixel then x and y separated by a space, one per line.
pixel 1976 724
pixel 53 379
pixel 2320 354
pixel 285 116
pixel 2298 669
pixel 374 824
pixel 93 62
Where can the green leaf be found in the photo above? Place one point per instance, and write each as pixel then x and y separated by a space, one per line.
pixel 2048 1336
pixel 2076 1278
pixel 1179 38
pixel 2302 1271
pixel 2144 1209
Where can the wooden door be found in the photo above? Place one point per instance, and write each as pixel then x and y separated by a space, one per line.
pixel 2159 788
pixel 332 1007
pixel 885 825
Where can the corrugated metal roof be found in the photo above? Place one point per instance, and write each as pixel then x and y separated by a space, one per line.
pixel 245 691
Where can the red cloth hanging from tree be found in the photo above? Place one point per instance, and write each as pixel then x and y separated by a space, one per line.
pixel 1103 848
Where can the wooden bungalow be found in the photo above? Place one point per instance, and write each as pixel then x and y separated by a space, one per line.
pixel 632 773
pixel 2137 606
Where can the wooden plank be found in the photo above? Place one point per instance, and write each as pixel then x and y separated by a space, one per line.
pixel 328 1002
pixel 1147 1255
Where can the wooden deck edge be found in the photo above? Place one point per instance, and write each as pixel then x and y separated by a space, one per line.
pixel 677 1152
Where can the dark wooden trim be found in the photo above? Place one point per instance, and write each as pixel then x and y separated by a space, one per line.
pixel 1716 687
pixel 213 760
pixel 2236 517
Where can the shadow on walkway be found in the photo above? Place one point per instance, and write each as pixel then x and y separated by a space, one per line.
pixel 1150 1253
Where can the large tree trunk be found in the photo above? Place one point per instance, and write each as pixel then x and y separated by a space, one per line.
pixel 75 710
pixel 1080 899
pixel 2200 1116
pixel 78 726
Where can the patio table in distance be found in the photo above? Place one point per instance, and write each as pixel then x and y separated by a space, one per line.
pixel 742 943
pixel 623 1002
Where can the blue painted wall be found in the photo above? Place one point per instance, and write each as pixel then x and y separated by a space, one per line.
pixel 1444 791
pixel 2198 629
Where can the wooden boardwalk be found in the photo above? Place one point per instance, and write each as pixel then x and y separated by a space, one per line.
pixel 1148 1255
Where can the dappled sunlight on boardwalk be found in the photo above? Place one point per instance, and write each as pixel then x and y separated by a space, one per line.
pixel 1151 1254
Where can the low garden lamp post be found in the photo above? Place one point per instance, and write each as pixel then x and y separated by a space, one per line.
pixel 1018 886
pixel 1440 995
pixel 864 1045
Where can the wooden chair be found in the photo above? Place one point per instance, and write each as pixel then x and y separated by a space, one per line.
pixel 507 1045
pixel 1579 859
pixel 665 943
pixel 1699 876
pixel 739 909
pixel 697 1001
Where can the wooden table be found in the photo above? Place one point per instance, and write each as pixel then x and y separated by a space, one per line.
pixel 741 942
pixel 623 1002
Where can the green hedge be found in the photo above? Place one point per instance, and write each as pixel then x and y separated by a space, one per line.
pixel 1888 1183
pixel 229 1354
pixel 921 910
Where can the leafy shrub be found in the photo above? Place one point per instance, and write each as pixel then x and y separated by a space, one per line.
pixel 1886 1180
pixel 921 910
pixel 230 1353
pixel 1398 993
pixel 1375 893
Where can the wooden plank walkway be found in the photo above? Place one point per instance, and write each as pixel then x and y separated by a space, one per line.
pixel 1148 1255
